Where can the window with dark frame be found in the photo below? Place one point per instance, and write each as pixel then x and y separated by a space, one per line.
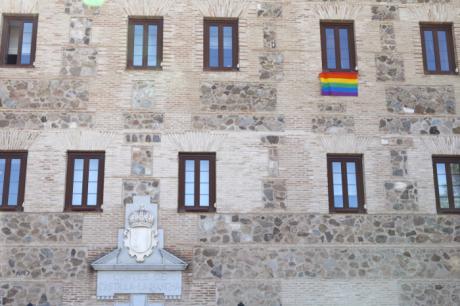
pixel 197 182
pixel 12 180
pixel 145 43
pixel 438 48
pixel 220 44
pixel 338 46
pixel 85 181
pixel 19 39
pixel 346 184
pixel 447 183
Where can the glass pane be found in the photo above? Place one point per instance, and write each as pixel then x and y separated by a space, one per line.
pixel 441 168
pixel 213 46
pixel 228 47
pixel 204 182
pixel 13 43
pixel 330 49
pixel 189 183
pixel 93 182
pixel 26 43
pixel 443 51
pixel 92 199
pixel 138 50
pixel 77 182
pixel 444 202
pixel 455 173
pixel 14 182
pixel 442 185
pixel 152 46
pixel 429 51
pixel 2 178
pixel 344 49
pixel 351 185
pixel 337 184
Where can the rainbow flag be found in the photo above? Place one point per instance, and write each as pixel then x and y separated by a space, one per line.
pixel 339 83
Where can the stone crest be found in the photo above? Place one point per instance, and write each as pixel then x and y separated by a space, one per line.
pixel 140 237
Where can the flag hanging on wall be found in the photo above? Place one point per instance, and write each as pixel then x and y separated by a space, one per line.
pixel 339 83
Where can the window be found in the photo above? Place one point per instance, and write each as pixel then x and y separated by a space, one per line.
pixel 85 181
pixel 145 43
pixel 12 180
pixel 338 46
pixel 18 40
pixel 221 44
pixel 447 183
pixel 438 48
pixel 197 182
pixel 346 186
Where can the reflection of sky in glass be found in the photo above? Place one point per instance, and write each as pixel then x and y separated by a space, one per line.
pixel 337 184
pixel 26 43
pixel 351 182
pixel 189 183
pixel 138 45
pixel 429 50
pixel 2 178
pixel 443 53
pixel 14 182
pixel 92 182
pixel 228 47
pixel 344 51
pixel 213 46
pixel 77 182
pixel 152 46
pixel 330 49
pixel 442 185
pixel 204 182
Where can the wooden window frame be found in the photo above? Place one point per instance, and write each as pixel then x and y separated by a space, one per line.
pixel 145 21
pixel 9 155
pixel 446 159
pixel 197 156
pixel 220 23
pixel 86 155
pixel 434 27
pixel 7 18
pixel 343 158
pixel 351 41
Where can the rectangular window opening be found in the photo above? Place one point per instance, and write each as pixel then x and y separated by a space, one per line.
pixel 221 44
pixel 346 185
pixel 338 46
pixel 12 180
pixel 438 48
pixel 19 37
pixel 145 43
pixel 447 183
pixel 197 182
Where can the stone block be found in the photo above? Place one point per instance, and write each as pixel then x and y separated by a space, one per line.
pixel 45 120
pixel 274 193
pixel 389 67
pixel 423 126
pixel 141 187
pixel 143 94
pixel 269 37
pixel 430 293
pixel 269 9
pixel 27 293
pixel 142 161
pixel 263 262
pixel 271 67
pixel 305 229
pixel 77 7
pixel 385 12
pixel 80 30
pixel 228 96
pixel 333 125
pixel 52 94
pixel 44 263
pixel 332 107
pixel 79 62
pixel 40 228
pixel 420 99
pixel 142 138
pixel 387 37
pixel 151 121
pixel 398 162
pixel 239 122
pixel 401 195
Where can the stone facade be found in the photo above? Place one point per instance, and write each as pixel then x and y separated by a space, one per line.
pixel 272 240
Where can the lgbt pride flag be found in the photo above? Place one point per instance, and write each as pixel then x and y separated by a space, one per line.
pixel 339 83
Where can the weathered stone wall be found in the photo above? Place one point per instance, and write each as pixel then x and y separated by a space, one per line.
pixel 271 241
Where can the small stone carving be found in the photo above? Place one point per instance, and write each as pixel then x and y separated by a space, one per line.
pixel 140 237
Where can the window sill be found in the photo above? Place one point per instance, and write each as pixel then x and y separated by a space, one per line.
pixel 17 66
pixel 159 68
pixel 88 210
pixel 221 69
pixel 448 212
pixel 12 209
pixel 441 73
pixel 348 211
pixel 196 210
